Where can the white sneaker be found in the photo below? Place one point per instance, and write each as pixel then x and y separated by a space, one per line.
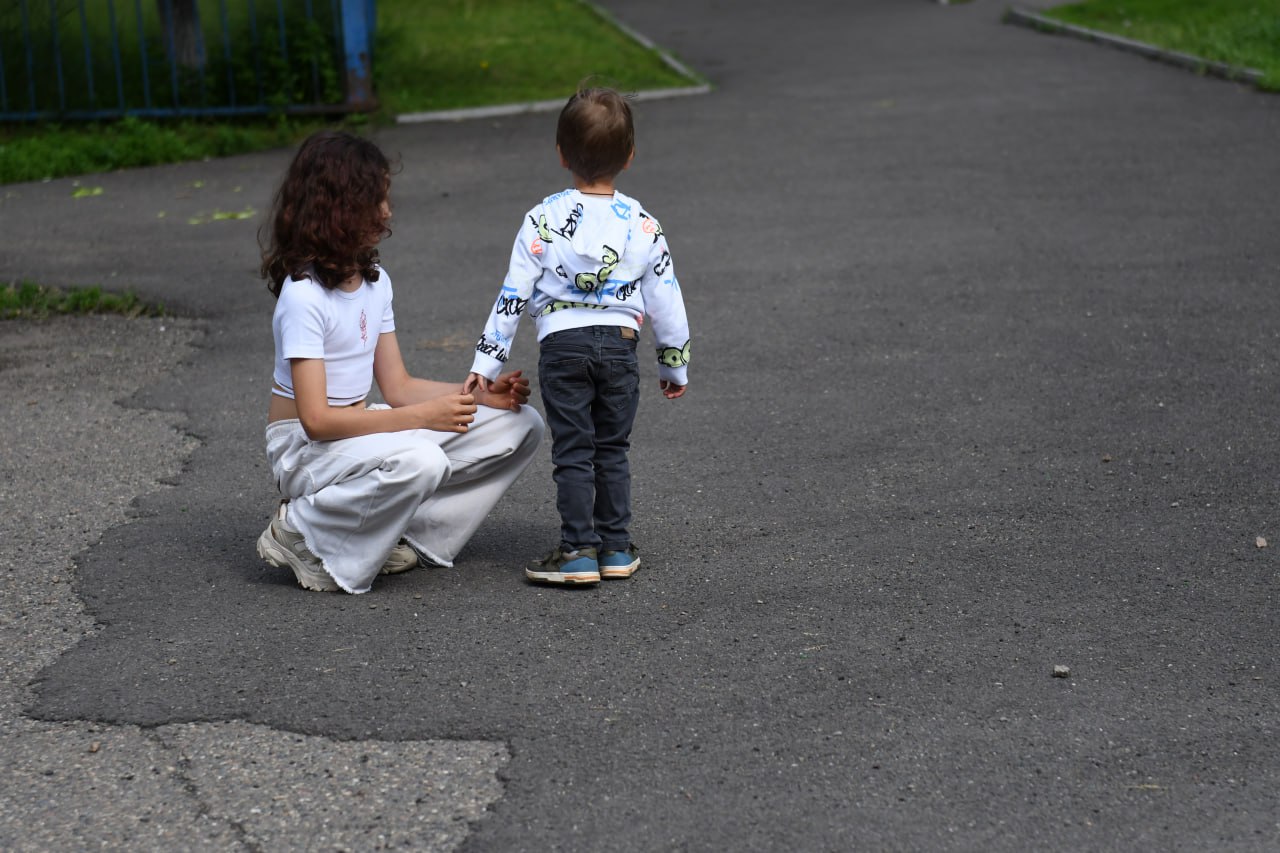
pixel 401 559
pixel 281 546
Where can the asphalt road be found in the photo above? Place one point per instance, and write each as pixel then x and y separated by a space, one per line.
pixel 984 384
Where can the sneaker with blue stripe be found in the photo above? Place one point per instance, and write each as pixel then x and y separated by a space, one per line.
pixel 565 567
pixel 617 565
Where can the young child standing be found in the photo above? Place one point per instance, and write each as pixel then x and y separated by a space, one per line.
pixel 367 489
pixel 589 264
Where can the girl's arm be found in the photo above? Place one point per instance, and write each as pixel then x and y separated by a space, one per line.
pixel 397 386
pixel 508 391
pixel 441 408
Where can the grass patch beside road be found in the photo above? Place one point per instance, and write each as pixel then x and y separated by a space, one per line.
pixel 428 56
pixel 466 53
pixel 36 152
pixel 30 300
pixel 1243 33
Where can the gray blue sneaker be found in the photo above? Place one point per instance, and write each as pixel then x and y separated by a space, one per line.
pixel 565 567
pixel 619 565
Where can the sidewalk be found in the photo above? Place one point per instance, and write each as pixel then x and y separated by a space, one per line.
pixel 74 461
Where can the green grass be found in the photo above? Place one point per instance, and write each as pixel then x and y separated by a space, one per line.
pixel 30 300
pixel 463 53
pixel 1243 33
pixel 36 152
pixel 442 55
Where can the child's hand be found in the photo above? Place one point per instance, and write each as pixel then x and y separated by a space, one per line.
pixel 671 390
pixel 508 391
pixel 450 413
pixel 474 381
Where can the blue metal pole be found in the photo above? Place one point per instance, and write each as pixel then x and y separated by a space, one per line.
pixel 284 44
pixel 31 69
pixel 315 62
pixel 116 61
pixel 256 41
pixel 171 50
pixel 202 56
pixel 88 56
pixel 57 54
pixel 357 47
pixel 142 52
pixel 4 86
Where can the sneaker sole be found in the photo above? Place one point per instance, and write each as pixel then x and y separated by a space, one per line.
pixel 569 578
pixel 270 551
pixel 619 572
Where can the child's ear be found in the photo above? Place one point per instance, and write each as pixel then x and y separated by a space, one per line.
pixel 563 162
pixel 630 158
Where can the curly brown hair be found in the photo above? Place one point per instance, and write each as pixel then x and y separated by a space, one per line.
pixel 595 133
pixel 327 218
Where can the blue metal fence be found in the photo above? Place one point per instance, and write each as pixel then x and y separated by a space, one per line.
pixel 91 59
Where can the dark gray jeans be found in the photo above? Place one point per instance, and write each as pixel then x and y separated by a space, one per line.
pixel 590 382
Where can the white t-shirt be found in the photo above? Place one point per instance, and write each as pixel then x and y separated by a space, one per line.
pixel 313 321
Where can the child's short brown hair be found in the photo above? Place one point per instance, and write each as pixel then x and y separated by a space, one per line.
pixel 595 134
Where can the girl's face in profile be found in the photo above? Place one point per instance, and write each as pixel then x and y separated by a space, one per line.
pixel 385 207
pixel 384 210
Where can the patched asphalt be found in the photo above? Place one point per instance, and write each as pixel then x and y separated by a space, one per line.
pixel 983 384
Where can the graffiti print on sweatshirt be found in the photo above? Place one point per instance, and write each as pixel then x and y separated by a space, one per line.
pixel 570 226
pixel 489 348
pixel 510 306
pixel 623 291
pixel 674 356
pixel 540 225
pixel 561 305
pixel 650 226
pixel 590 282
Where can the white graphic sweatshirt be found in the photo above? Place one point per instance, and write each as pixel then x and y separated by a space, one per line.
pixel 589 260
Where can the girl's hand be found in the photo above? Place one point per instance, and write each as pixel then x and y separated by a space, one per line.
pixel 508 391
pixel 474 381
pixel 450 413
pixel 671 390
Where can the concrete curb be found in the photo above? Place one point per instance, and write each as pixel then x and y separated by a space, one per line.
pixel 699 86
pixel 1199 65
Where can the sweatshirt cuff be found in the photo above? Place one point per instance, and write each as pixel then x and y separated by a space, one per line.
pixel 487 366
pixel 678 375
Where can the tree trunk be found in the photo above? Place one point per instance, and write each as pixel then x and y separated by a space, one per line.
pixel 182 32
